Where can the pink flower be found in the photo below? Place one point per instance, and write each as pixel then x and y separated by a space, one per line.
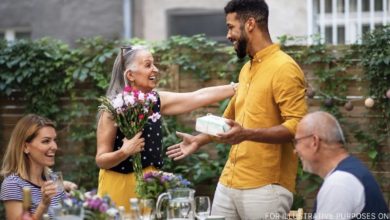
pixel 155 116
pixel 103 207
pixel 151 97
pixel 141 116
pixel 127 89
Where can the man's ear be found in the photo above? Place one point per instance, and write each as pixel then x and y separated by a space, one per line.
pixel 250 24
pixel 316 143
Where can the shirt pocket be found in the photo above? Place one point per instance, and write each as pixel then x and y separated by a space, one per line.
pixel 259 99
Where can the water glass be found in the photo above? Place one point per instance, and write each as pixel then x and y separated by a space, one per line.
pixel 57 179
pixel 202 207
pixel 147 208
pixel 68 213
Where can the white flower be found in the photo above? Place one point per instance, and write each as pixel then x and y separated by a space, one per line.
pixel 155 116
pixel 145 109
pixel 112 212
pixel 88 195
pixel 141 96
pixel 117 102
pixel 129 100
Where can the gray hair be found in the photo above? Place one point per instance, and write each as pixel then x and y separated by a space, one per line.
pixel 325 126
pixel 118 79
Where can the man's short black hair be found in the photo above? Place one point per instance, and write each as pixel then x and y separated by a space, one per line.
pixel 258 9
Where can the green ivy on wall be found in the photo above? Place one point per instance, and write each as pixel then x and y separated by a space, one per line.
pixel 375 58
pixel 37 71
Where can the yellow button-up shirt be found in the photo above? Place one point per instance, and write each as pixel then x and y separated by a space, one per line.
pixel 271 93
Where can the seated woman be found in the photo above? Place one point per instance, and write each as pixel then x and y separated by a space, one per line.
pixel 30 152
pixel 134 66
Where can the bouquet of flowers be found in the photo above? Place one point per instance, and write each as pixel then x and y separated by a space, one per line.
pixel 98 208
pixel 92 206
pixel 157 182
pixel 131 110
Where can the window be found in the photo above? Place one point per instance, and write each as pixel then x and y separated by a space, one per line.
pixel 365 28
pixel 366 5
pixel 23 35
pixel 356 22
pixel 15 34
pixel 328 6
pixel 189 22
pixel 328 34
pixel 341 35
pixel 378 5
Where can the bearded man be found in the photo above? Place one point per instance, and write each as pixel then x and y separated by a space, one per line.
pixel 258 179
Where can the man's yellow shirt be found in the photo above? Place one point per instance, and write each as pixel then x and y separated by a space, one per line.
pixel 271 93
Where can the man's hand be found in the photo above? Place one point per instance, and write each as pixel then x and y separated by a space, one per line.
pixel 69 186
pixel 184 148
pixel 235 135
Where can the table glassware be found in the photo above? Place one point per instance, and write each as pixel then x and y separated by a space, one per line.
pixel 202 207
pixel 147 208
pixel 185 208
pixel 180 203
pixel 68 213
pixel 56 177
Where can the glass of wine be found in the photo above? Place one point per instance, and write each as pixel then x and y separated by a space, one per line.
pixel 202 207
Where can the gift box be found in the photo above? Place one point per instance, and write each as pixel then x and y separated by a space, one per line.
pixel 211 124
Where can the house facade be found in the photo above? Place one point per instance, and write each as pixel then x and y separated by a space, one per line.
pixel 335 21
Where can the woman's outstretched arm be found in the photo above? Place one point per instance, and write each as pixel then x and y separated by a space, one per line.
pixel 173 103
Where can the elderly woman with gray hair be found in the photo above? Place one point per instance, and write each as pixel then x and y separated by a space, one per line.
pixel 135 66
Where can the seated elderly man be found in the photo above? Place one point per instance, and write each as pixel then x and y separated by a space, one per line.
pixel 349 189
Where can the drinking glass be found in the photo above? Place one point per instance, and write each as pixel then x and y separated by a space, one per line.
pixel 147 208
pixel 57 179
pixel 202 207
pixel 61 212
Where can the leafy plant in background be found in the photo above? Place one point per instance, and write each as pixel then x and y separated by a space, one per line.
pixel 375 58
pixel 26 66
pixel 330 87
pixel 196 55
pixel 330 69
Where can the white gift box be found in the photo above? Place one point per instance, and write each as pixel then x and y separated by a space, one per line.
pixel 211 124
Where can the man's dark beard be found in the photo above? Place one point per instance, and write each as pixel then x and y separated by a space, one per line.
pixel 241 47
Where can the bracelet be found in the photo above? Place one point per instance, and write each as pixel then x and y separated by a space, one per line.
pixel 234 86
